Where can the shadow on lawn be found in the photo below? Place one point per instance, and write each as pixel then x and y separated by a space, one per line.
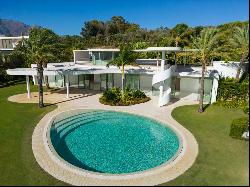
pixel 206 106
pixel 12 83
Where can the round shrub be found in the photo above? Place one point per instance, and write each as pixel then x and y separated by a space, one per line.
pixel 238 127
pixel 246 110
pixel 115 97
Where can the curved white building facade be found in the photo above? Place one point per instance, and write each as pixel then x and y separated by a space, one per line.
pixel 156 77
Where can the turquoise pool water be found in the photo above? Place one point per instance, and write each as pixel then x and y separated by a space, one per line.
pixel 113 142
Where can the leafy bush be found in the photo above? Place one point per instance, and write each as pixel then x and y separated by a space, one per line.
pixel 111 96
pixel 238 127
pixel 232 94
pixel 246 109
pixel 13 60
pixel 115 97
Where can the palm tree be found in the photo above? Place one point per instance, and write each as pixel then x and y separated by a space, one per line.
pixel 205 44
pixel 177 40
pixel 39 62
pixel 126 57
pixel 240 42
pixel 41 56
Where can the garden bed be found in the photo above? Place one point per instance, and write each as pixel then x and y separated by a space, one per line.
pixel 115 97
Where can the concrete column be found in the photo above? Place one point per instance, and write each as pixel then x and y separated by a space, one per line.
pixel 160 95
pixel 163 60
pixel 113 55
pixel 162 69
pixel 214 89
pixel 67 86
pixel 28 86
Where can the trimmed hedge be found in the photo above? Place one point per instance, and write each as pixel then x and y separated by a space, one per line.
pixel 238 127
pixel 115 97
pixel 233 94
pixel 246 110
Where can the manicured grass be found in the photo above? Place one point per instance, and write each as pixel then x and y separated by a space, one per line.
pixel 17 122
pixel 222 160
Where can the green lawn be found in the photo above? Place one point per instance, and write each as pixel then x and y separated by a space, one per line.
pixel 221 160
pixel 17 121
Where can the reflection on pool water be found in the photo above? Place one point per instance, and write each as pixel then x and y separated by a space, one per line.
pixel 113 142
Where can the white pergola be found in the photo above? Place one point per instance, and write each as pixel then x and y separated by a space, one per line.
pixel 72 70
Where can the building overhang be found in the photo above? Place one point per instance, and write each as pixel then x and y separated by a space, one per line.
pixel 98 50
pixel 7 49
pixel 159 49
pixel 13 37
pixel 165 49
pixel 82 69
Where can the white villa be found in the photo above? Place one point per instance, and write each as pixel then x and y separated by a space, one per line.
pixel 7 44
pixel 154 76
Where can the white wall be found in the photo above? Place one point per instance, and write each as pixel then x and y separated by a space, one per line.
pixel 227 69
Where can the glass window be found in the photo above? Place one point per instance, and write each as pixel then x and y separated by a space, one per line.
pixel 208 84
pixel 86 80
pixel 132 81
pixel 110 81
pixel 81 81
pixel 103 78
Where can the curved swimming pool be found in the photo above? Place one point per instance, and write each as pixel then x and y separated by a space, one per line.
pixel 112 142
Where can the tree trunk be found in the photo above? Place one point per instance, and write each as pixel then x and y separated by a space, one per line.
pixel 46 79
pixel 40 83
pixel 239 69
pixel 202 88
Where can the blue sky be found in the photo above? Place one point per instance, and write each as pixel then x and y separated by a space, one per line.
pixel 68 16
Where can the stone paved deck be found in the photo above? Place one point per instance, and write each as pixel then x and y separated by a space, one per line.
pixel 89 100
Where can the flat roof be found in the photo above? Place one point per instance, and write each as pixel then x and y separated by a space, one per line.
pixel 169 49
pixel 149 49
pixel 6 49
pixel 13 37
pixel 85 69
pixel 82 69
pixel 159 49
pixel 100 50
